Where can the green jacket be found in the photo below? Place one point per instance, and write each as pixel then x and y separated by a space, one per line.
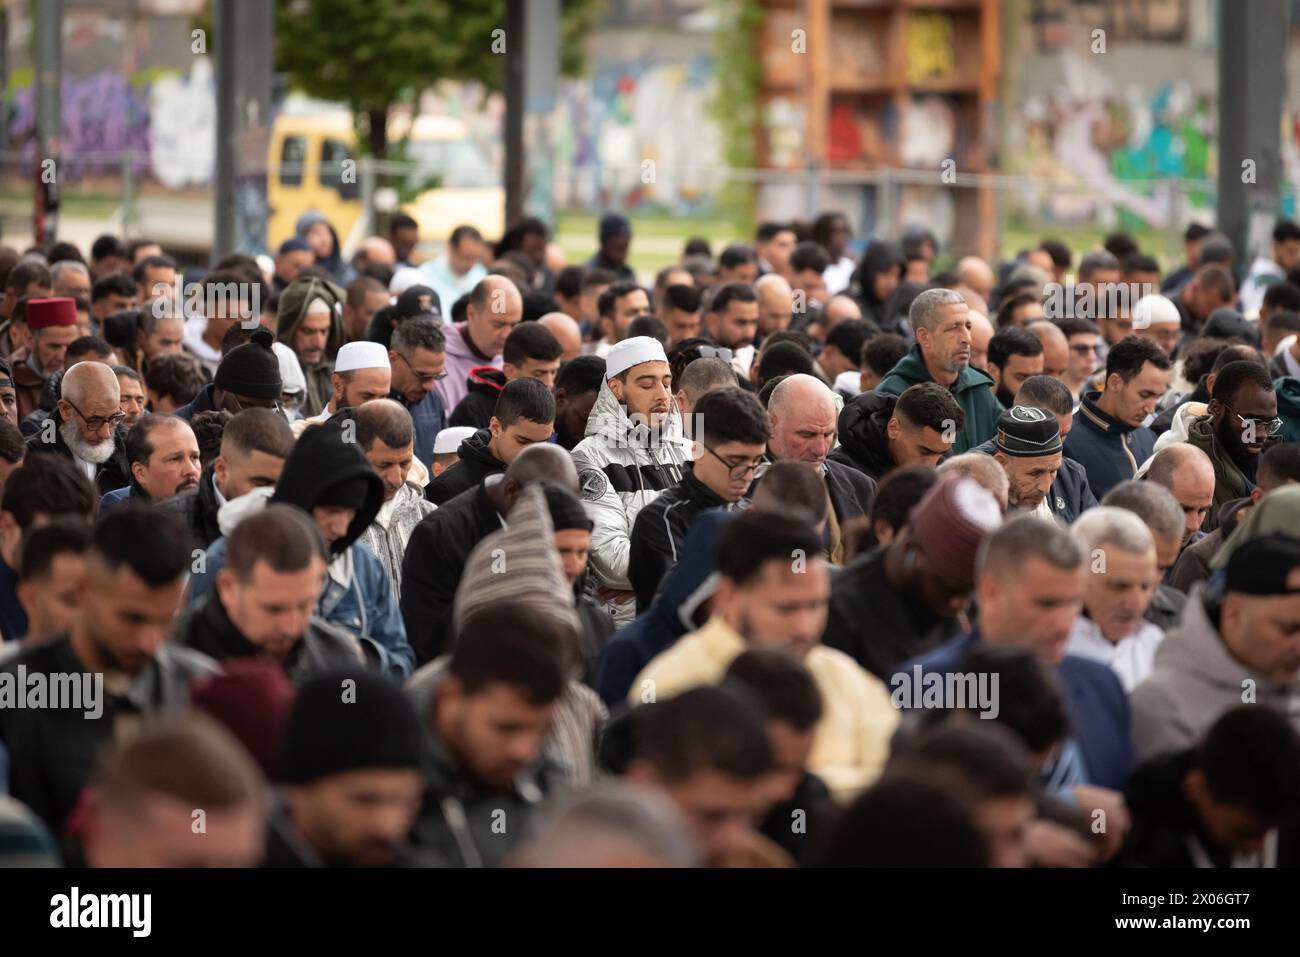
pixel 973 391
pixel 1229 482
pixel 1288 408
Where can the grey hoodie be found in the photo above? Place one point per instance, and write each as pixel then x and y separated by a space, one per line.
pixel 1195 680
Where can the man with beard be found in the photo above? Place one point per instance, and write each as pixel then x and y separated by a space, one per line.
pixel 631 453
pixel 1015 354
pixel 136 571
pixel 53 323
pixel 247 378
pixel 417 356
pixel 1028 447
pixel 265 600
pixel 254 445
pixel 327 476
pixel 941 320
pixel 732 319
pixel 489 713
pixel 1241 418
pixel 309 320
pixel 802 414
pixel 164 457
pixel 576 389
pixel 386 435
pixel 84 426
pixel 766 599
pixel 351 777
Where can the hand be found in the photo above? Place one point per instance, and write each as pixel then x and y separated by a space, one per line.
pixel 1054 845
pixel 1114 816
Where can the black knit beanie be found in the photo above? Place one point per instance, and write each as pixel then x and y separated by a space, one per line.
pixel 348 721
pixel 566 511
pixel 251 370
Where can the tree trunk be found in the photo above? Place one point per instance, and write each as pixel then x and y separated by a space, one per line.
pixel 378 121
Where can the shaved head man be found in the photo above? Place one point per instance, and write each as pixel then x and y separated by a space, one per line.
pixel 566 331
pixel 1189 474
pixel 1056 348
pixel 981 331
pixel 975 272
pixel 804 420
pixel 775 303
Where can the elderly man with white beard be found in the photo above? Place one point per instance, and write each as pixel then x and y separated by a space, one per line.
pixel 85 426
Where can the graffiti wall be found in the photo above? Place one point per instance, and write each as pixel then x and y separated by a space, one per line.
pixel 1109 99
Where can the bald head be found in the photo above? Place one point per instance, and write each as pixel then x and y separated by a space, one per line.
pixel 566 331
pixel 804 420
pixel 984 470
pixel 981 331
pixel 383 419
pixel 543 462
pixel 376 249
pixel 975 273
pixel 495 308
pixel 775 303
pixel 1189 474
pixel 838 308
pixel 88 381
pixel 1056 348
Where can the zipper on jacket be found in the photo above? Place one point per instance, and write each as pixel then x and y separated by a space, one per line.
pixel 453 813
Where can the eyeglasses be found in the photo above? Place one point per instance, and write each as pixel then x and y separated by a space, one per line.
pixel 1084 349
pixel 1267 426
pixel 246 403
pixel 715 352
pixel 97 422
pixel 423 376
pixel 737 472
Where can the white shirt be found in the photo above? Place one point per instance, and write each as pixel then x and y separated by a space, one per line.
pixel 1131 658
pixel 88 467
pixel 837 276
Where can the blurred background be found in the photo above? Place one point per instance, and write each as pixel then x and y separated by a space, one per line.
pixel 214 125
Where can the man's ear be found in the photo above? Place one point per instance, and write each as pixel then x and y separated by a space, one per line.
pixel 219 470
pixel 225 582
pixel 137 470
pixel 494 426
pixel 616 387
pixel 992 369
pixel 1209 382
pixel 893 428
pixel 1215 408
pixel 1114 382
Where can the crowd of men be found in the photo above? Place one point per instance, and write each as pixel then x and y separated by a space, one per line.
pixel 788 558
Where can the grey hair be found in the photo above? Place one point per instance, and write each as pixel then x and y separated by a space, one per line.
pixel 924 313
pixel 1093 262
pixel 1111 525
pixel 1009 548
pixel 574 830
pixel 67 265
pixel 1152 503
pixel 982 469
pixel 149 319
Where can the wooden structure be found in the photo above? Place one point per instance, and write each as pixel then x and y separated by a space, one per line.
pixel 885 84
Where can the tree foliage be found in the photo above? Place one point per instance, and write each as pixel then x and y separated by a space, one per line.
pixel 371 54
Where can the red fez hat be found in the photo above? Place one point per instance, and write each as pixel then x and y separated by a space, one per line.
pixel 60 311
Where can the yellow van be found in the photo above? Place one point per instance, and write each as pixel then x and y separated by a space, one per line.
pixel 305 168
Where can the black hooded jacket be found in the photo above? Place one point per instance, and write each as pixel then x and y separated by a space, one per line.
pixel 864 444
pixel 880 255
pixel 475 410
pixel 322 458
pixel 476 463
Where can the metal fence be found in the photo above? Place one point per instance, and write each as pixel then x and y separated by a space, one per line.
pixel 168 197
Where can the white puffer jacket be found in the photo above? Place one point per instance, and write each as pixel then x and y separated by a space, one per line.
pixel 622 466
